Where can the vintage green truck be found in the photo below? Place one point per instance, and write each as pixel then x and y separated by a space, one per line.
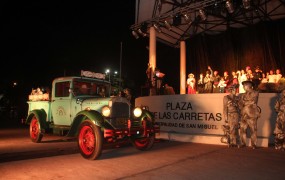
pixel 82 107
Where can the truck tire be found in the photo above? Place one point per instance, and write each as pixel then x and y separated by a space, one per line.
pixel 144 143
pixel 90 140
pixel 36 134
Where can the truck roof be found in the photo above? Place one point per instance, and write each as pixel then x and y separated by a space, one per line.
pixel 69 78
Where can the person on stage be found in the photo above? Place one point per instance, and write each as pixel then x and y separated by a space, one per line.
pixel 191 82
pixel 216 80
pixel 222 85
pixel 208 81
pixel 200 84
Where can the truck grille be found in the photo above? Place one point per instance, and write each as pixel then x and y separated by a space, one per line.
pixel 120 109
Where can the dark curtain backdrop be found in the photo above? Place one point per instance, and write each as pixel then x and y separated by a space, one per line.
pixel 262 44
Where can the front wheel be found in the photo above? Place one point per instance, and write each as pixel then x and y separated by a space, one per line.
pixel 144 143
pixel 90 140
pixel 35 130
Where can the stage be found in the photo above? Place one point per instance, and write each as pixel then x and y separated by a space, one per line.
pixel 199 117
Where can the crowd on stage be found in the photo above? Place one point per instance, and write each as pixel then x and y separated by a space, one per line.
pixel 213 82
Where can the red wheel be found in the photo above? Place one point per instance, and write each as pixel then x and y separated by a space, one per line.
pixel 90 140
pixel 144 143
pixel 35 130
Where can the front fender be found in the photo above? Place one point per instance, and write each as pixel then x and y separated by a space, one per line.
pixel 41 115
pixel 147 114
pixel 92 115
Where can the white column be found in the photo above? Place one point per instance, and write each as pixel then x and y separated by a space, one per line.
pixel 182 67
pixel 152 49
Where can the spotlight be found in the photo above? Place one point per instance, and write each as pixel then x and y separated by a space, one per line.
pixel 167 25
pixel 246 4
pixel 143 34
pixel 202 14
pixel 187 18
pixel 143 29
pixel 229 7
pixel 135 34
pixel 157 28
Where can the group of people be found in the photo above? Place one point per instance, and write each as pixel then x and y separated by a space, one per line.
pixel 212 82
pixel 241 112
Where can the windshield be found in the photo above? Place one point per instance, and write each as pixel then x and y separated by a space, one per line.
pixel 90 88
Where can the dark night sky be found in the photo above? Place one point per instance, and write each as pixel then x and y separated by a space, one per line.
pixel 41 41
pixel 65 35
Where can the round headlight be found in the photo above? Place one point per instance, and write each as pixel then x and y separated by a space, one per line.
pixel 137 112
pixel 106 111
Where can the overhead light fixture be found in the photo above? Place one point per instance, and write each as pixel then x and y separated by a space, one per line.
pixel 167 25
pixel 143 30
pixel 143 34
pixel 202 14
pixel 246 4
pixel 157 28
pixel 187 18
pixel 230 7
pixel 135 34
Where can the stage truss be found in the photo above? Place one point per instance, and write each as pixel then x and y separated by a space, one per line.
pixel 178 20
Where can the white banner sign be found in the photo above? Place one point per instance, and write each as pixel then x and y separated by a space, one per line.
pixel 202 114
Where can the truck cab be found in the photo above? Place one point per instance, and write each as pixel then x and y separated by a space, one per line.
pixel 69 93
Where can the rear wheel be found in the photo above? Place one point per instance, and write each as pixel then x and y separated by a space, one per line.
pixel 144 143
pixel 90 140
pixel 35 130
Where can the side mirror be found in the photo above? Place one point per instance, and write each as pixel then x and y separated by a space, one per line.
pixel 70 90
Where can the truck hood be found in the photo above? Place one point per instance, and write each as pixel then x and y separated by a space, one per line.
pixel 94 103
pixel 97 103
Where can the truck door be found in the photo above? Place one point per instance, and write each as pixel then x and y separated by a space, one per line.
pixel 61 103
